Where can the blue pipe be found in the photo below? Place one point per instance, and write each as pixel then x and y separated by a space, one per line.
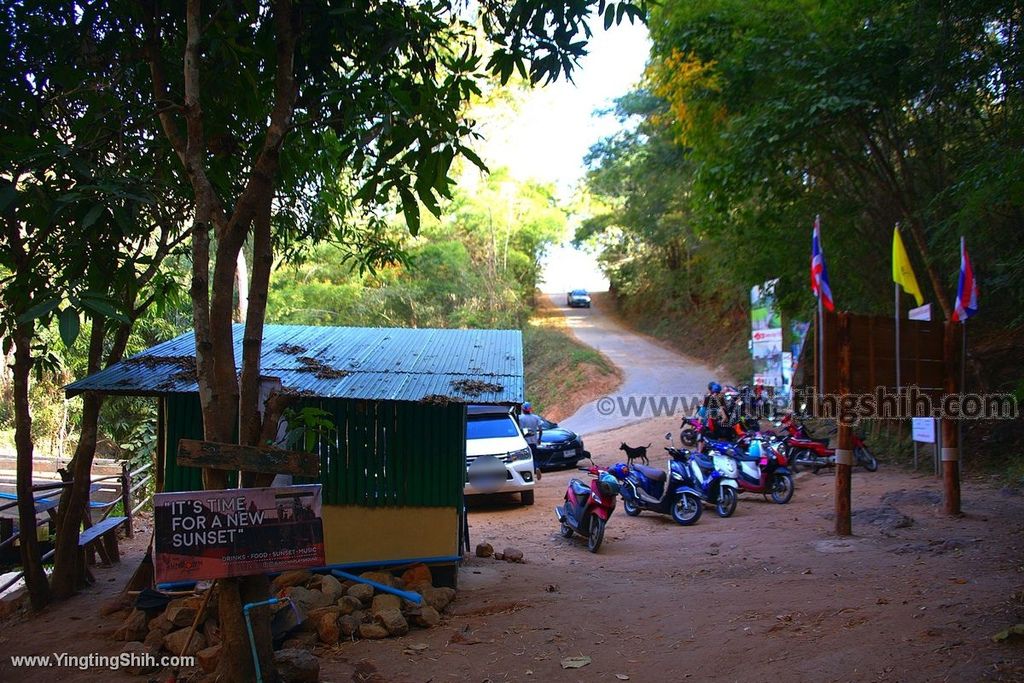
pixel 252 637
pixel 414 598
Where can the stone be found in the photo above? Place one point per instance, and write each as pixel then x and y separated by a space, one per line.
pixel 349 604
pixel 174 642
pixel 425 616
pixel 182 612
pixel 484 550
pixel 513 555
pixel 294 577
pixel 348 625
pixel 211 629
pixel 498 556
pixel 417 576
pixel 141 659
pixel 393 621
pixel 379 577
pixel 161 623
pixel 154 640
pixel 208 657
pixel 115 604
pixel 133 628
pixel 331 588
pixel 302 641
pixel 438 598
pixel 305 599
pixel 360 616
pixel 297 666
pixel 361 592
pixel 385 601
pixel 372 631
pixel 325 623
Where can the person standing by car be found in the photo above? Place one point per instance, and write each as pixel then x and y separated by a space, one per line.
pixel 532 429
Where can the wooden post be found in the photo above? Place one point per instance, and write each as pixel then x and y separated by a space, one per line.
pixel 126 498
pixel 950 443
pixel 844 450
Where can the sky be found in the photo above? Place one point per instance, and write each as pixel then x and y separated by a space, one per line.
pixel 556 125
pixel 554 129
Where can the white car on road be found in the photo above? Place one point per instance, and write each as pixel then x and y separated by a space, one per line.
pixel 494 431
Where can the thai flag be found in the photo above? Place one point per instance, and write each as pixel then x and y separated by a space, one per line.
pixel 967 291
pixel 819 273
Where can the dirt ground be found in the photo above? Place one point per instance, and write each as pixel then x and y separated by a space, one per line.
pixel 769 594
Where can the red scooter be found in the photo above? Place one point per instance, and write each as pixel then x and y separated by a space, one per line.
pixel 805 450
pixel 587 508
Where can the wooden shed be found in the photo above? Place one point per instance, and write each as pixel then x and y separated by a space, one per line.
pixel 393 467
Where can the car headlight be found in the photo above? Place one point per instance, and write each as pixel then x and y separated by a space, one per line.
pixel 521 454
pixel 548 444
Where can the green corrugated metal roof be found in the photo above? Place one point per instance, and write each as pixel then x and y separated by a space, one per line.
pixel 389 364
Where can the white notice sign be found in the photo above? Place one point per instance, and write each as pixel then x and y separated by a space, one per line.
pixel 923 429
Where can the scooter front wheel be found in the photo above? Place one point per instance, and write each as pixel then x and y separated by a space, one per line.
pixel 866 458
pixel 782 488
pixel 726 504
pixel 630 507
pixel 596 534
pixel 686 509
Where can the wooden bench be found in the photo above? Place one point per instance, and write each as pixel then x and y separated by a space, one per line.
pixel 102 536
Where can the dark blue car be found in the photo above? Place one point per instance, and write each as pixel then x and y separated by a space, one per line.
pixel 559 448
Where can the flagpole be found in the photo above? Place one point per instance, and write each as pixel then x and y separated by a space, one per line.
pixel 821 347
pixel 896 290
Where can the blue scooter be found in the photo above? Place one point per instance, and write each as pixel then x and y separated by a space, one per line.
pixel 713 476
pixel 672 492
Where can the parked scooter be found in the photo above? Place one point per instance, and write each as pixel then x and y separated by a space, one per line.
pixel 667 492
pixel 587 508
pixel 762 468
pixel 815 453
pixel 712 475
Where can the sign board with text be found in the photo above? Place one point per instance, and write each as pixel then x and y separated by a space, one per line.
pixel 237 532
pixel 923 429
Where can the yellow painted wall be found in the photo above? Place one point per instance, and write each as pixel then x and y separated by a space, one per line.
pixel 361 534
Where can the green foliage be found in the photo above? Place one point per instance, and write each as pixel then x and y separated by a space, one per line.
pixel 756 117
pixel 475 266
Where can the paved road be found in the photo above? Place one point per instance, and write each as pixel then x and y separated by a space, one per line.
pixel 655 379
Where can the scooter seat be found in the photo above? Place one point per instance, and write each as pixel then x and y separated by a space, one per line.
pixel 579 488
pixel 652 473
pixel 705 462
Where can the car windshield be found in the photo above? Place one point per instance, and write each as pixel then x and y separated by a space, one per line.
pixel 547 424
pixel 579 292
pixel 490 427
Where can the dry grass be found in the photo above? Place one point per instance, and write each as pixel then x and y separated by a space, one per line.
pixel 562 373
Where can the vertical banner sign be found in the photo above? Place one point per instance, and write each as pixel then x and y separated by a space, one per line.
pixel 766 335
pixel 237 532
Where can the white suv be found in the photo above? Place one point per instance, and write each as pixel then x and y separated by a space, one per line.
pixel 494 431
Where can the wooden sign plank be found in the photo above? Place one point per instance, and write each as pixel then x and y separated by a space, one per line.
pixel 233 457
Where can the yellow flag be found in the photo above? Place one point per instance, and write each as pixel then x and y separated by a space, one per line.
pixel 902 273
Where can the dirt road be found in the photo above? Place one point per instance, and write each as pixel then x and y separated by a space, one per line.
pixel 654 378
pixel 769 594
pixel 766 595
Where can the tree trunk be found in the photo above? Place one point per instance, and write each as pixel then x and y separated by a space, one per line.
pixel 64 581
pixel 35 576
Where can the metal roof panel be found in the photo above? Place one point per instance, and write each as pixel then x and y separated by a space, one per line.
pixel 394 364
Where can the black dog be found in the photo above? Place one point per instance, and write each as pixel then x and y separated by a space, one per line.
pixel 635 453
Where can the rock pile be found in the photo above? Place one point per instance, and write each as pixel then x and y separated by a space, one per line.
pixel 321 611
pixel 508 555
